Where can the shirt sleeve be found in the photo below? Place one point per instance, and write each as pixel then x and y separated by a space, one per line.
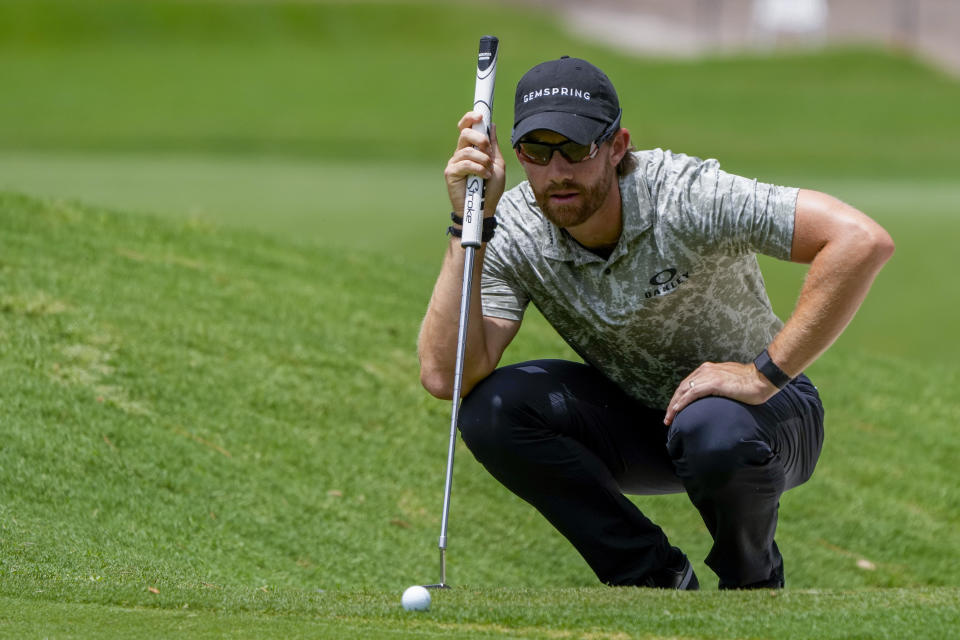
pixel 730 213
pixel 501 295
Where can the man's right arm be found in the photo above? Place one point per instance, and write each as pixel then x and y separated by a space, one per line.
pixel 487 337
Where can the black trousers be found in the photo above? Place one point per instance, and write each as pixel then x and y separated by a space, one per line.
pixel 570 442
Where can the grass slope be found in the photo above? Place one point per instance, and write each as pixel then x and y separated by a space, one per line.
pixel 205 417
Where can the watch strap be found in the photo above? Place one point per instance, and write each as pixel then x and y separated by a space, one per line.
pixel 770 370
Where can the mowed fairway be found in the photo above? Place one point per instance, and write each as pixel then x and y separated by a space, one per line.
pixel 219 227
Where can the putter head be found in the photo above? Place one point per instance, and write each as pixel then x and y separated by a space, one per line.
pixel 439 585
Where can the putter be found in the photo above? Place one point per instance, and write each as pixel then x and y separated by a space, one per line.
pixel 470 241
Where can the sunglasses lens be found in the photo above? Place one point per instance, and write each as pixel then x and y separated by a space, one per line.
pixel 541 152
pixel 575 152
pixel 536 153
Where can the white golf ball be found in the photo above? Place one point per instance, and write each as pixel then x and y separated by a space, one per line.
pixel 415 598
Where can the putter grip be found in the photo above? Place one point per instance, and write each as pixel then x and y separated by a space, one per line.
pixel 482 104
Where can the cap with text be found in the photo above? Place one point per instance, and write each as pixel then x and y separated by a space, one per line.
pixel 569 96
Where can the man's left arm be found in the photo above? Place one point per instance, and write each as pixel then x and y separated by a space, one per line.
pixel 845 250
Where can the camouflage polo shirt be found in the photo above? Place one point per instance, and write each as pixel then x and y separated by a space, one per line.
pixel 682 287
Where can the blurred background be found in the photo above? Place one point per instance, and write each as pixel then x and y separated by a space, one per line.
pixel 926 28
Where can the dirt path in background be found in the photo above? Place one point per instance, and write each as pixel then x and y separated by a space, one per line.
pixel 688 28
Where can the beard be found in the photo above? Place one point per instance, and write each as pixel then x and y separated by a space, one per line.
pixel 592 197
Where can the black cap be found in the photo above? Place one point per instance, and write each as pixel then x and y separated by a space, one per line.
pixel 569 96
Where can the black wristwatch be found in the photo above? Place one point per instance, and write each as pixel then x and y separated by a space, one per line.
pixel 770 370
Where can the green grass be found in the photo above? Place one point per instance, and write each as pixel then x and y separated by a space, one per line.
pixel 593 613
pixel 212 425
pixel 234 420
pixel 287 197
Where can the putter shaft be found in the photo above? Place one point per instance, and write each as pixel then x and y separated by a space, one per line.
pixel 465 295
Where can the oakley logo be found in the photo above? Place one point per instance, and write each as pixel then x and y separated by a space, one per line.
pixel 556 91
pixel 663 277
pixel 665 281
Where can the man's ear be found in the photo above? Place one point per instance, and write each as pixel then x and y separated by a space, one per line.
pixel 619 144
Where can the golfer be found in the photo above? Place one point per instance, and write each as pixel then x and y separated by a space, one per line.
pixel 645 263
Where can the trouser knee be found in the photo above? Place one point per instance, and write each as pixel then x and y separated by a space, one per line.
pixel 714 438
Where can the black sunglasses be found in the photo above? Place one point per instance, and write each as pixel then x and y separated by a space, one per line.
pixel 541 153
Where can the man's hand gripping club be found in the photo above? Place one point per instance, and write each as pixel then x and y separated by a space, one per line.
pixel 475 155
